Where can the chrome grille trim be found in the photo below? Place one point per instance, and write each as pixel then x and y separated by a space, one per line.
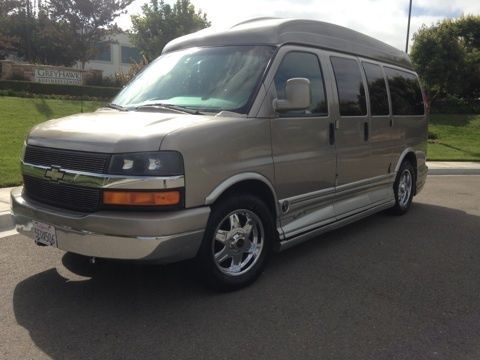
pixel 105 181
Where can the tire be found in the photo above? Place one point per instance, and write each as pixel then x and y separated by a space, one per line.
pixel 404 188
pixel 237 242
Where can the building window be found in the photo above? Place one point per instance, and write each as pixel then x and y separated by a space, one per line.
pixel 103 52
pixel 130 55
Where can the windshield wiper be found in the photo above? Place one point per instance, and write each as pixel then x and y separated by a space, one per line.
pixel 116 107
pixel 178 108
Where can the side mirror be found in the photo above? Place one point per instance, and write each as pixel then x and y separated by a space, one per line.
pixel 297 91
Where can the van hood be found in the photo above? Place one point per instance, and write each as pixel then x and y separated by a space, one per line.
pixel 111 131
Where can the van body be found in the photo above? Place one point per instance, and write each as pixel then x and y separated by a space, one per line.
pixel 229 146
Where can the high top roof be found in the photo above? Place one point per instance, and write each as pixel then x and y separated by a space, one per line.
pixel 275 31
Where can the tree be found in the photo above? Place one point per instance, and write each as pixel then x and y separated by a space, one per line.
pixel 447 57
pixel 57 32
pixel 85 22
pixel 467 29
pixel 161 23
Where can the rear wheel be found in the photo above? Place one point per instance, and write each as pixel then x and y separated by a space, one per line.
pixel 237 242
pixel 404 188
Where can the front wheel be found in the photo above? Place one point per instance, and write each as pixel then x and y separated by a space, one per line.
pixel 404 188
pixel 237 242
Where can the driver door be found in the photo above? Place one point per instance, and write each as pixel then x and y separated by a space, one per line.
pixel 302 145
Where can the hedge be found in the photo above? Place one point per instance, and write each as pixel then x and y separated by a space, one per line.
pixel 57 89
pixel 456 106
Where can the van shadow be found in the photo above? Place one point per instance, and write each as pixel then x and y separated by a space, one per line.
pixel 128 310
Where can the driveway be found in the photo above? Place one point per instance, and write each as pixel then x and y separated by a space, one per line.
pixel 382 288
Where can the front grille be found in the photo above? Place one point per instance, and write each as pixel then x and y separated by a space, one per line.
pixel 67 159
pixel 61 195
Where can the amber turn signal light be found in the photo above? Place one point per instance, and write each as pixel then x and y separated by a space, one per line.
pixel 141 198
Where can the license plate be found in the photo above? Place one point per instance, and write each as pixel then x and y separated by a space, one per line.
pixel 44 234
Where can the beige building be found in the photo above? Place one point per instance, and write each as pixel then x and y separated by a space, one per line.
pixel 114 55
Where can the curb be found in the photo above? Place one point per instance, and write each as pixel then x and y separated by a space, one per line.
pixel 453 171
pixel 6 221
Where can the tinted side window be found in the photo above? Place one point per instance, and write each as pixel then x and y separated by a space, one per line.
pixel 405 92
pixel 351 94
pixel 303 65
pixel 377 89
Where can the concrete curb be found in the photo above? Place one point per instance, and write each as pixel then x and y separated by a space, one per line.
pixel 6 221
pixel 453 168
pixel 435 171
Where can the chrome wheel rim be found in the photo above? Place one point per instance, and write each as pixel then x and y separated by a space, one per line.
pixel 238 242
pixel 404 188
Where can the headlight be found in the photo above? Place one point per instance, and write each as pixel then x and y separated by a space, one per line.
pixel 159 163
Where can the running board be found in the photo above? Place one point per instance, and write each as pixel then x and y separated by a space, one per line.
pixel 334 225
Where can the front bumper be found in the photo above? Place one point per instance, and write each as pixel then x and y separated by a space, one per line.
pixel 161 236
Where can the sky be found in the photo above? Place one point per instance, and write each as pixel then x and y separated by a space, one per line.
pixel 385 20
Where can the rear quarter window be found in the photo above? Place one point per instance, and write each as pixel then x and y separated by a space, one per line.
pixel 405 92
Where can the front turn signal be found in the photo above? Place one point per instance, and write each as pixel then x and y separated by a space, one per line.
pixel 141 198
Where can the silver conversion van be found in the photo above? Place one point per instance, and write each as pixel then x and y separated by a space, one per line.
pixel 229 146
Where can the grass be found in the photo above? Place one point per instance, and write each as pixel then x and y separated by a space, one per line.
pixel 457 137
pixel 17 117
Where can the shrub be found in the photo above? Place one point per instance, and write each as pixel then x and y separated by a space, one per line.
pixel 454 105
pixel 124 78
pixel 107 81
pixel 23 94
pixel 432 136
pixel 56 89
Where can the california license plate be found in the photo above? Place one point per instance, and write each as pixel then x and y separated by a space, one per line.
pixel 44 234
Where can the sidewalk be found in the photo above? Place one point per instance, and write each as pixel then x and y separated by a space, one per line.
pixel 5 218
pixel 453 168
pixel 434 168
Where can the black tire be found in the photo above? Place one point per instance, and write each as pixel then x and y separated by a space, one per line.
pixel 235 242
pixel 404 195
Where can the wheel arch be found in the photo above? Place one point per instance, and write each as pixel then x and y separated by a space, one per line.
pixel 409 154
pixel 253 183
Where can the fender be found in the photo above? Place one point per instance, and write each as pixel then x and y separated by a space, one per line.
pixel 402 156
pixel 228 183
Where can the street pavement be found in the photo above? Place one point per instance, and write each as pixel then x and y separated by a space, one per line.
pixel 383 288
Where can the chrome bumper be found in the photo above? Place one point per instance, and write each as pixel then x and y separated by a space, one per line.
pixel 161 236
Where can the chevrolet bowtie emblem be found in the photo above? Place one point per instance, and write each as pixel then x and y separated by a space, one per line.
pixel 54 173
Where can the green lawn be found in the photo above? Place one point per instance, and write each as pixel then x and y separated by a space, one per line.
pixel 17 116
pixel 457 137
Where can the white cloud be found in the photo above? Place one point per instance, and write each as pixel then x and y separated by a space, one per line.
pixel 385 20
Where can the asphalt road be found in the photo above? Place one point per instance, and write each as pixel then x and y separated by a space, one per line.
pixel 383 288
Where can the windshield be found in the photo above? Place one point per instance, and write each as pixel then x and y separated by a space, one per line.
pixel 209 79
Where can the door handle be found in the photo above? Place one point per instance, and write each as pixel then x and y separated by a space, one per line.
pixel 331 134
pixel 365 131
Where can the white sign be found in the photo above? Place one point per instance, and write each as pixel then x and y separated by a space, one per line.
pixel 58 76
